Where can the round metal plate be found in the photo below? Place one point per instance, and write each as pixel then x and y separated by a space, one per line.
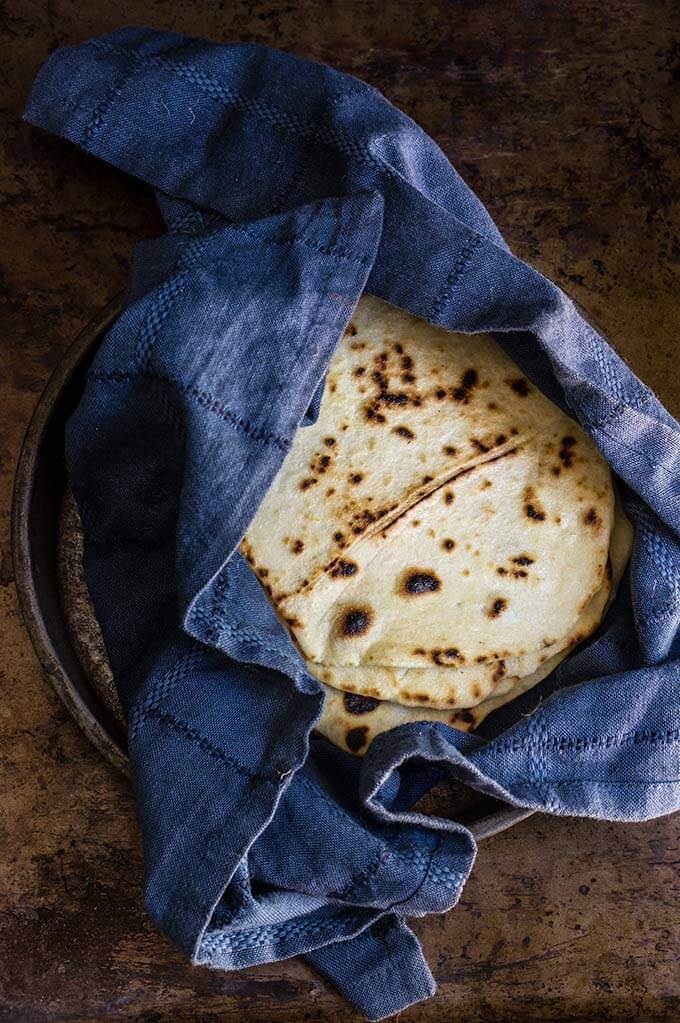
pixel 39 489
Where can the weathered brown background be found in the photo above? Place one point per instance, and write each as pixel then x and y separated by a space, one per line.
pixel 560 115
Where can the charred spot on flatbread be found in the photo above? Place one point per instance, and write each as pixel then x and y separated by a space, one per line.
pixel 520 386
pixel 357 704
pixel 448 655
pixel 468 382
pixel 356 621
pixel 499 672
pixel 592 519
pixel 532 506
pixel 497 606
pixel 356 738
pixel 417 582
pixel 342 569
pixel 566 453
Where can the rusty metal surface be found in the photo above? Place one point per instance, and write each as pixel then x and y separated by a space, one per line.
pixel 561 117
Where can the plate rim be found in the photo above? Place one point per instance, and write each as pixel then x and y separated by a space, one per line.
pixel 22 548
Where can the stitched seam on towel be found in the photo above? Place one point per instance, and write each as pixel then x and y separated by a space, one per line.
pixel 640 452
pixel 611 380
pixel 186 730
pixel 223 225
pixel 563 744
pixel 363 876
pixel 571 782
pixel 660 555
pixel 336 811
pixel 306 340
pixel 239 632
pixel 558 744
pixel 213 625
pixel 544 785
pixel 98 116
pixel 667 611
pixel 156 315
pixel 159 692
pixel 449 285
pixel 357 879
pixel 534 755
pixel 257 937
pixel 215 90
pixel 205 400
pixel 623 405
pixel 346 255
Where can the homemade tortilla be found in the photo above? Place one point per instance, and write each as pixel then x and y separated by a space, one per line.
pixel 441 527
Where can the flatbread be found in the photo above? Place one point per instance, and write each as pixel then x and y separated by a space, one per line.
pixel 352 721
pixel 448 687
pixel 442 525
pixel 349 720
pixel 450 647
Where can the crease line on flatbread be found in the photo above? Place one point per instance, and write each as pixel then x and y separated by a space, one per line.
pixel 389 520
pixel 329 597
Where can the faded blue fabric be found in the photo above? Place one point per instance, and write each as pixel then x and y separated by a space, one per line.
pixel 288 189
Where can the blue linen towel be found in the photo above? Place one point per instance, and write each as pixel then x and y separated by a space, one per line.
pixel 288 189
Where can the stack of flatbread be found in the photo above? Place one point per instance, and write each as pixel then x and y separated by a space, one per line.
pixel 443 535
